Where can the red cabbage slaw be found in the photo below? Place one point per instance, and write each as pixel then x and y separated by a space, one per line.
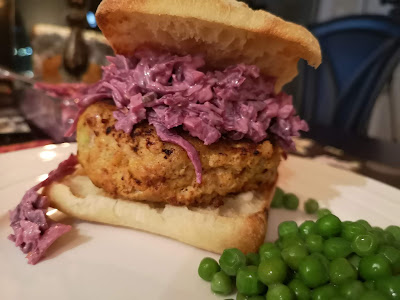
pixel 170 91
pixel 34 232
pixel 63 90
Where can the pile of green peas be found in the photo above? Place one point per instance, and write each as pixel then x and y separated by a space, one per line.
pixel 323 260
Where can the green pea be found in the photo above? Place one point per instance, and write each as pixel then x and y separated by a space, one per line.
pixel 372 295
pixel 279 292
pixel 278 243
pixel 322 258
pixel 354 259
pixel 221 283
pixel 365 244
pixel 378 233
pixel 291 240
pixel 231 260
pixel 374 267
pixel 351 230
pixel 395 230
pixel 314 243
pixel 300 290
pixel 311 206
pixel 269 250
pixel 369 285
pixel 292 256
pixel 323 212
pixel 393 256
pixel 307 228
pixel 313 272
pixel 240 296
pixel 287 228
pixel 351 290
pixel 389 287
pixel 324 292
pixel 272 270
pixel 247 281
pixel 329 226
pixel 396 244
pixel 207 268
pixel 252 259
pixel 290 201
pixel 367 226
pixel 384 237
pixel 277 201
pixel 337 247
pixel 388 238
pixel 378 229
pixel 341 271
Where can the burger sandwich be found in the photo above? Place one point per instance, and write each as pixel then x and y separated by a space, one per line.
pixel 184 133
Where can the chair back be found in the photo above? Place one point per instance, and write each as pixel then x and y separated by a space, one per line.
pixel 359 57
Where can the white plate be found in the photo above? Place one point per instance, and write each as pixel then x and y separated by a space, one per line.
pixel 104 262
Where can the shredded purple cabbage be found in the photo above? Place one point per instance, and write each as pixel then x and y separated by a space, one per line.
pixel 34 232
pixel 170 91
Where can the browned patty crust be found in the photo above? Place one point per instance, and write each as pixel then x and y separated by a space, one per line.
pixel 141 167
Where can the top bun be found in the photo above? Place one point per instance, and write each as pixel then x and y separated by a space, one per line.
pixel 225 31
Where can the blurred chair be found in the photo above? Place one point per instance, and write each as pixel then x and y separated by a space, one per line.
pixel 360 54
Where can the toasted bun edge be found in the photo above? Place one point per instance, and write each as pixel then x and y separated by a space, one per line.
pixel 198 227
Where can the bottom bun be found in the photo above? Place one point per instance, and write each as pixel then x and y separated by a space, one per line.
pixel 240 223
